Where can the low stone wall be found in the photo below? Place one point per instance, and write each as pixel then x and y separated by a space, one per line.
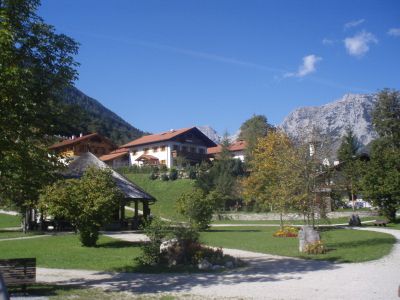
pixel 289 216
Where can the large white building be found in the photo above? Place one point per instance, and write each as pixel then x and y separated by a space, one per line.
pixel 169 148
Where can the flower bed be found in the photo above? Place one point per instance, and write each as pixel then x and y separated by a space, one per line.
pixel 287 231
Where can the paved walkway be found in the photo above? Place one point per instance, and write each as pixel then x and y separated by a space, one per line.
pixel 265 277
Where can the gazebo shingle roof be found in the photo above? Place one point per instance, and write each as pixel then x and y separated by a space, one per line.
pixel 77 167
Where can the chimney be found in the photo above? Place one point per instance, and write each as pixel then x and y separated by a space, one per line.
pixel 73 137
pixel 81 134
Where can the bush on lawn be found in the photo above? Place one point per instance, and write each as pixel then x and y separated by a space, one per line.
pixel 177 245
pixel 173 174
pixel 197 207
pixel 315 248
pixel 87 203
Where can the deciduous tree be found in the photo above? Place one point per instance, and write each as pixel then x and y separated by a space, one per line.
pixel 275 177
pixel 36 63
pixel 88 203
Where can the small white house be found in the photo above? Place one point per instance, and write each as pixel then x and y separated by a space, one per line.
pixel 237 150
pixel 167 148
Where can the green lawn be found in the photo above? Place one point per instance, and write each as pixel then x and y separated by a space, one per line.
pixel 166 193
pixel 66 252
pixel 344 245
pixel 9 221
pixel 343 220
pixel 6 234
pixel 60 292
pixel 394 225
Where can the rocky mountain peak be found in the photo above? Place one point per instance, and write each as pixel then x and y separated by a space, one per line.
pixel 332 119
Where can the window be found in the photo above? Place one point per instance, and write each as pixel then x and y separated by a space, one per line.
pixel 163 148
pixel 193 149
pixel 176 147
pixel 134 152
pixel 155 149
pixel 146 150
pixel 202 151
pixel 163 162
pixel 184 148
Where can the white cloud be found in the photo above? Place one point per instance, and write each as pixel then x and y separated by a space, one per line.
pixel 359 44
pixel 327 42
pixel 394 32
pixel 353 23
pixel 307 67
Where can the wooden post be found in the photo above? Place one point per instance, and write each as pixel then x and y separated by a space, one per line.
pixel 122 211
pixel 136 209
pixel 145 209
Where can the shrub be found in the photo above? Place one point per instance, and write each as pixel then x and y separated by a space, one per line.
pixel 197 207
pixel 192 174
pixel 315 248
pixel 287 231
pixel 157 231
pixel 164 177
pixel 173 174
pixel 87 203
pixel 153 176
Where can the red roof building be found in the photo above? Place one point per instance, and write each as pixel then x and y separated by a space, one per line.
pixel 76 146
pixel 237 149
pixel 170 148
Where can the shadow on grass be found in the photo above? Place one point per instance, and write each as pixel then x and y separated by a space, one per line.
pixel 233 230
pixel 42 290
pixel 119 244
pixel 158 269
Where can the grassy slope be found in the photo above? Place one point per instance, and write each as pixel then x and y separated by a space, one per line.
pixel 66 252
pixel 344 245
pixel 166 193
pixel 9 221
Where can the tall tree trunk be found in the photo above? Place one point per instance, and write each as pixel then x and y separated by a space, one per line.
pixel 353 200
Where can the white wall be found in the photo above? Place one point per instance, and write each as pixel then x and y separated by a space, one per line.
pixel 136 151
pixel 238 155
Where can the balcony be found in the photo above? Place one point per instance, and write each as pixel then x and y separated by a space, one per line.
pixel 192 156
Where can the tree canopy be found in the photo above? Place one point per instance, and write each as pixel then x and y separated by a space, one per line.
pixel 88 203
pixel 275 178
pixel 36 63
pixel 251 130
pixel 382 179
pixel 350 165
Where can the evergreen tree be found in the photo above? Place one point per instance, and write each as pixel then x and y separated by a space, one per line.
pixel 350 169
pixel 381 183
pixel 251 130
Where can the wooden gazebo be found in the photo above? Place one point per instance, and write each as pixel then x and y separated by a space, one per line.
pixel 131 192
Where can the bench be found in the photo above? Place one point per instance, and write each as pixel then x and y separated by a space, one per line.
pixel 18 271
pixel 380 223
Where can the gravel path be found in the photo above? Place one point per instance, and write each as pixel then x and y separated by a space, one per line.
pixel 265 277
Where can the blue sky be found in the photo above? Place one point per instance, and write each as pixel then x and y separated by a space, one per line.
pixel 173 64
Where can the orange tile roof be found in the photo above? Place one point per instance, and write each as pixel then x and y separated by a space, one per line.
pixel 236 146
pixel 161 137
pixel 71 142
pixel 77 140
pixel 121 152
